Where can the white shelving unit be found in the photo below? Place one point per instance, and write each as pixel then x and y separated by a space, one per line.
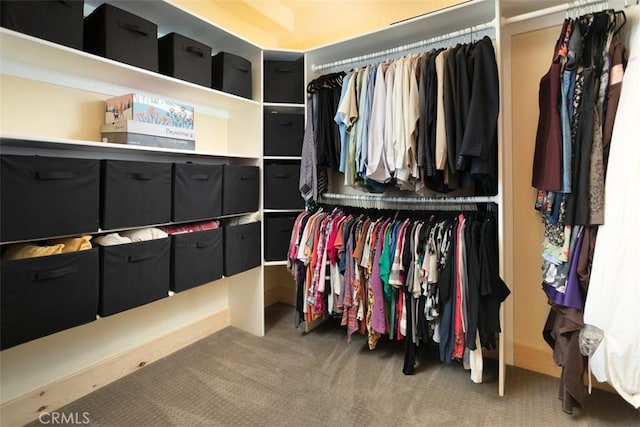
pixel 37 77
pixel 281 107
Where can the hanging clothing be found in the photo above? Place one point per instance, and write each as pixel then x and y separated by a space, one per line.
pixel 424 122
pixel 590 85
pixel 547 170
pixel 415 280
pixel 612 300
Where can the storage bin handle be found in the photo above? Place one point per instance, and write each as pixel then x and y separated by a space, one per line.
pixel 244 178
pixel 283 70
pixel 195 50
pixel 200 177
pixel 239 67
pixel 54 274
pixel 139 176
pixel 203 244
pixel 140 257
pixel 282 175
pixel 133 28
pixel 54 175
pixel 285 123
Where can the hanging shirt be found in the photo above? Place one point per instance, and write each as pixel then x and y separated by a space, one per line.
pixel 389 123
pixel 441 133
pixel 343 118
pixel 377 168
pixel 364 113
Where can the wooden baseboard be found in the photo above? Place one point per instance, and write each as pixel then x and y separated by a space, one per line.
pixel 535 359
pixel 28 407
pixel 541 361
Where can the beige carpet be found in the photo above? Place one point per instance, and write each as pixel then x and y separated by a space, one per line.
pixel 288 378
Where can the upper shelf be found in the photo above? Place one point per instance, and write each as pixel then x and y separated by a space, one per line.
pixel 10 144
pixel 172 18
pixel 41 60
pixel 443 21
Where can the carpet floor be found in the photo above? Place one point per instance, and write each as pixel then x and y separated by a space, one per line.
pixel 289 378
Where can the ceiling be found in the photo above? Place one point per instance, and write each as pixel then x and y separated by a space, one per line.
pixel 304 24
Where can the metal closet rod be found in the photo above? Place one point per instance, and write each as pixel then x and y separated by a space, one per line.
pixel 566 7
pixel 392 202
pixel 406 47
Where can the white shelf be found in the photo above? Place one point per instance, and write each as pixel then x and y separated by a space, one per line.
pixel 220 219
pixel 15 144
pixel 282 157
pixel 283 105
pixel 444 21
pixel 32 58
pixel 274 263
pixel 283 55
pixel 170 17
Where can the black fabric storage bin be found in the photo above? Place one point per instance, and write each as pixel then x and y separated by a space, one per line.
pixel 44 295
pixel 284 81
pixel 283 133
pixel 242 245
pixel 135 193
pixel 232 74
pixel 57 21
pixel 185 58
pixel 122 36
pixel 197 191
pixel 133 274
pixel 48 196
pixel 281 182
pixel 277 234
pixel 241 189
pixel 196 259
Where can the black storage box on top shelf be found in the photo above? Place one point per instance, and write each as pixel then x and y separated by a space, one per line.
pixel 185 58
pixel 196 259
pixel 135 194
pixel 133 274
pixel 232 74
pixel 122 36
pixel 241 189
pixel 197 191
pixel 284 81
pixel 242 245
pixel 281 182
pixel 277 235
pixel 56 21
pixel 283 133
pixel 48 196
pixel 44 295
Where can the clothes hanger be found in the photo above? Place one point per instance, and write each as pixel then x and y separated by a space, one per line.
pixel 620 19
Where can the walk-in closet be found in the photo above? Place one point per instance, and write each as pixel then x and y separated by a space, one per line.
pixel 294 212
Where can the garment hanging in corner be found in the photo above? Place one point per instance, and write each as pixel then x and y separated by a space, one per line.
pixel 614 288
pixel 425 281
pixel 425 122
pixel 578 101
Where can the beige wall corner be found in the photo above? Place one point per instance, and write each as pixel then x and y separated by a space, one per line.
pixel 530 59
